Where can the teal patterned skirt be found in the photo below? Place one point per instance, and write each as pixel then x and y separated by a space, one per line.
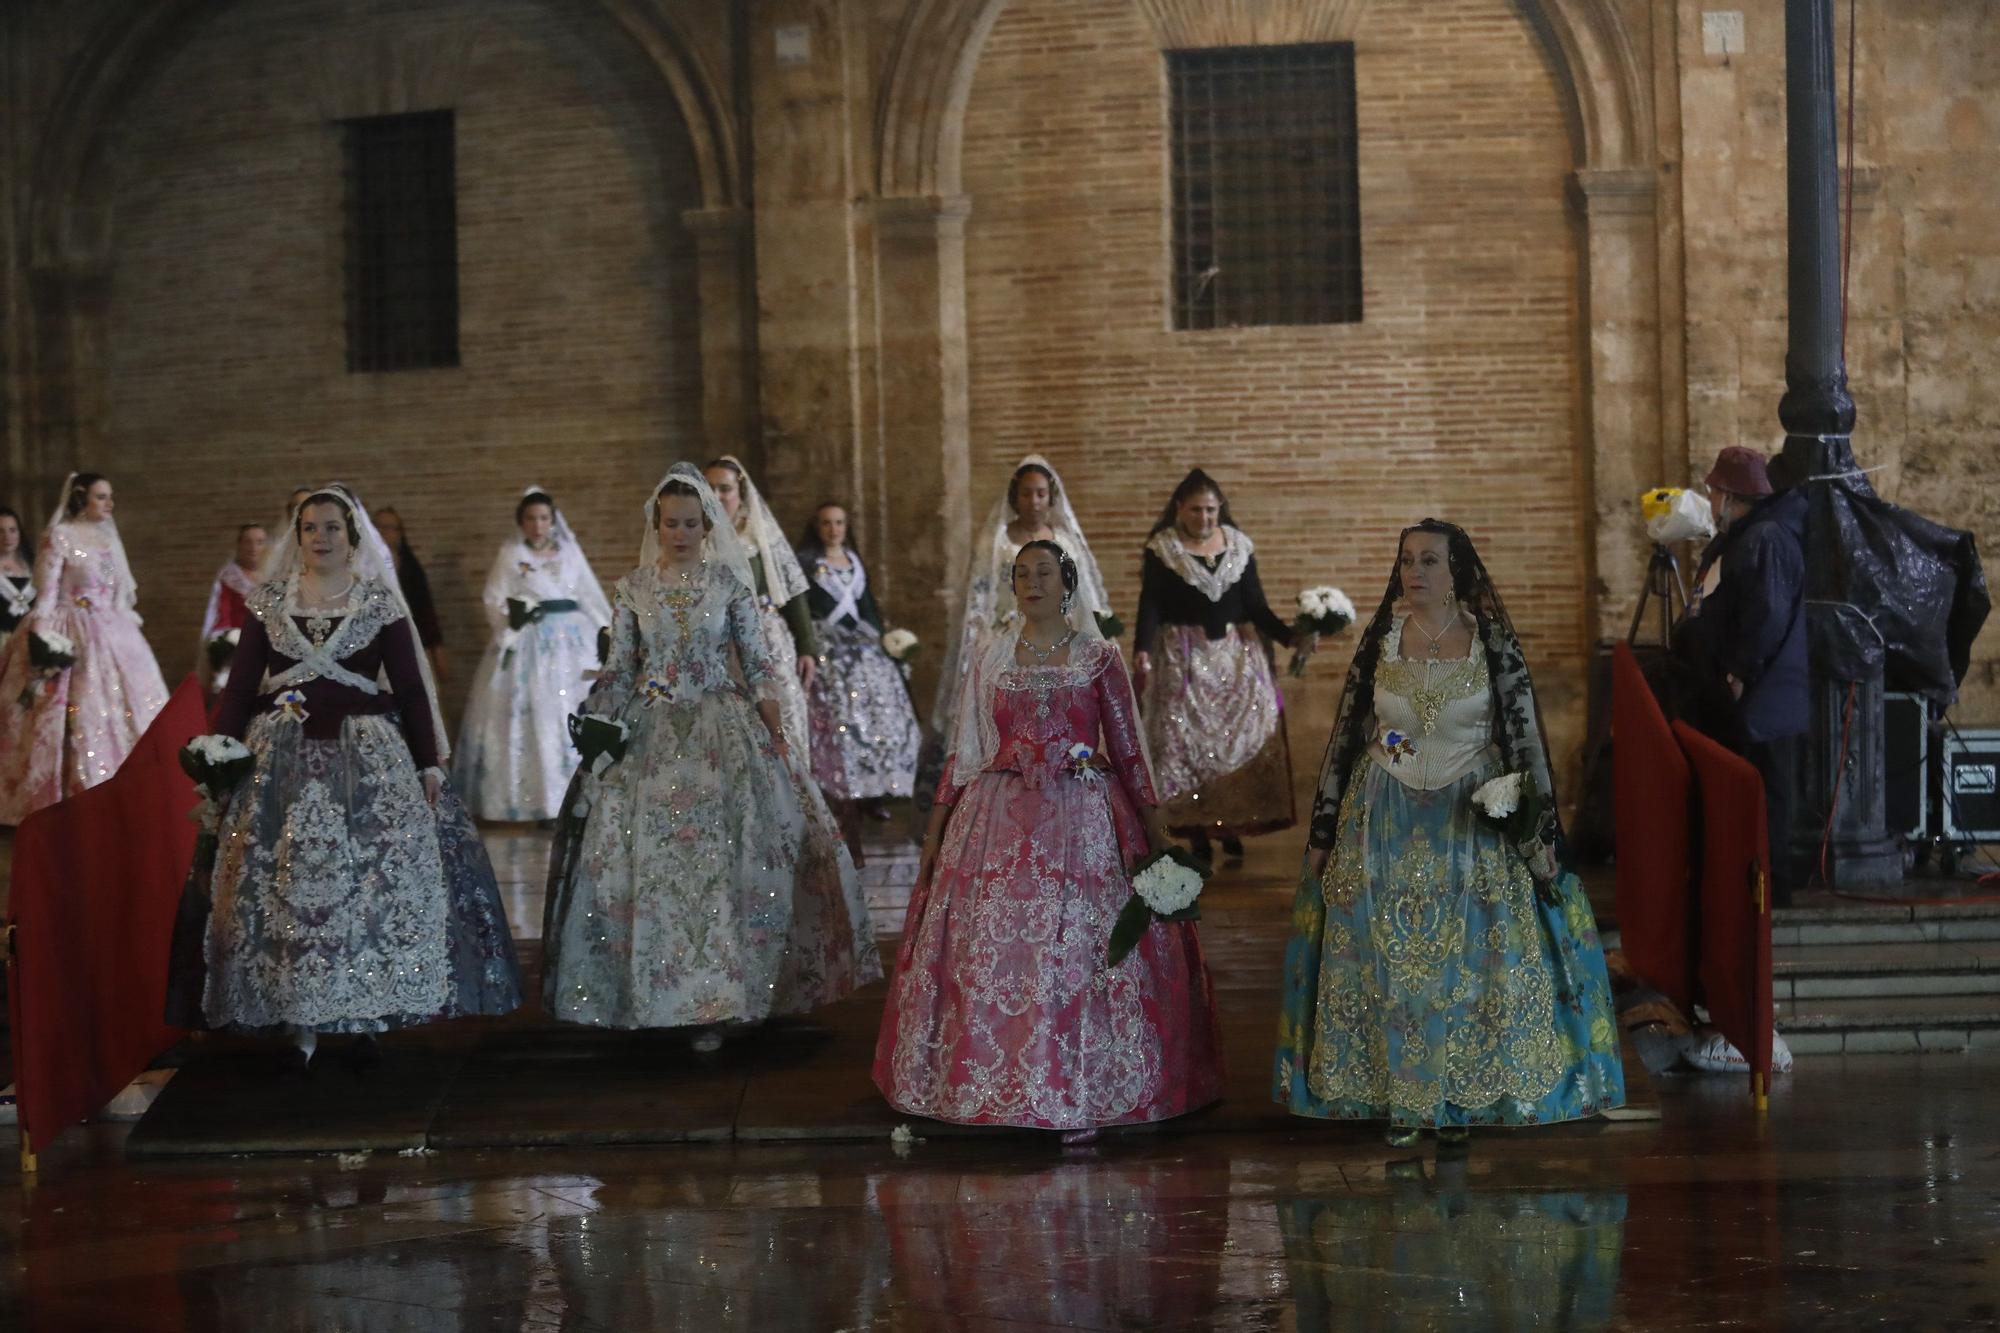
pixel 1429 981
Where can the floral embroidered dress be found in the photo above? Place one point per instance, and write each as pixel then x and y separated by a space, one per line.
pixel 342 901
pixel 864 727
pixel 1428 980
pixel 80 722
pixel 514 756
pixel 1215 719
pixel 707 883
pixel 1002 1010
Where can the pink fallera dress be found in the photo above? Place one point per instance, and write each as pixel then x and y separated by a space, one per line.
pixel 81 722
pixel 1002 1010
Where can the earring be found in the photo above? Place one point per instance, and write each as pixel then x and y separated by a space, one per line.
pixel 1068 599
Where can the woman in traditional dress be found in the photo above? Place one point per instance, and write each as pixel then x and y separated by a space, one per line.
pixel 864 727
pixel 781 594
pixel 416 586
pixel 229 602
pixel 1441 973
pixel 351 892
pixel 698 880
pixel 17 576
pixel 1034 507
pixel 81 720
pixel 545 606
pixel 1002 1010
pixel 1215 719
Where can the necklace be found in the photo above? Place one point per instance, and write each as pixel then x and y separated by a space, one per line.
pixel 1043 655
pixel 1449 622
pixel 319 625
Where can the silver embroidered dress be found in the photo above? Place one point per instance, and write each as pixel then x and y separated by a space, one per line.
pixel 707 882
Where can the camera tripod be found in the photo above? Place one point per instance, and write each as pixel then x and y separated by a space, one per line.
pixel 1664 587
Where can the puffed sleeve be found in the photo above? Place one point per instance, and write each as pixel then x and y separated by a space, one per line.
pixel 246 675
pixel 499 582
pixel 406 680
pixel 48 580
pixel 1119 716
pixel 746 631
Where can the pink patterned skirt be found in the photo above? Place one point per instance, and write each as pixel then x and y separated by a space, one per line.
pixel 1002 1010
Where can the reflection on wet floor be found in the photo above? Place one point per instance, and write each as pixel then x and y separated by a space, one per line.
pixel 1870 1197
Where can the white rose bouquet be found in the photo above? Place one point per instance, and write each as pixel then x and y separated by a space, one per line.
pixel 1513 804
pixel 49 654
pixel 1166 886
pixel 217 764
pixel 902 647
pixel 1322 611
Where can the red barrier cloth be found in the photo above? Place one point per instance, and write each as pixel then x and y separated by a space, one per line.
pixel 1735 901
pixel 1653 791
pixel 97 880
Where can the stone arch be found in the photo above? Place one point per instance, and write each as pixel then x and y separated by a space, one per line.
pixel 1607 102
pixel 145 34
pixel 935 51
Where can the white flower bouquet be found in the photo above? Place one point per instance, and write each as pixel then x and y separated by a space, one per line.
pixel 901 645
pixel 1322 610
pixel 1166 886
pixel 222 647
pixel 1513 804
pixel 600 740
pixel 49 651
pixel 49 654
pixel 216 763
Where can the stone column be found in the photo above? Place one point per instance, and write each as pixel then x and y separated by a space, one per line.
pixel 922 389
pixel 725 283
pixel 803 103
pixel 1620 312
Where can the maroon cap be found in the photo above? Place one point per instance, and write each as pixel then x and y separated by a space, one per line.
pixel 1740 471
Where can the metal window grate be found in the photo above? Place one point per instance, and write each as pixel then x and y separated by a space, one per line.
pixel 401 192
pixel 1267 213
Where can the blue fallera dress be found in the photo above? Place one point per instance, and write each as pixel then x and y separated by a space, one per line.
pixel 1429 980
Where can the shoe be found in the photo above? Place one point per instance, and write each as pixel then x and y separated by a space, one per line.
pixel 1199 845
pixel 707 1042
pixel 1233 848
pixel 1454 1138
pixel 878 811
pixel 1078 1138
pixel 1402 1136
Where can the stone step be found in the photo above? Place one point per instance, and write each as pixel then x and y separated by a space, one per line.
pixel 1853 971
pixel 1878 1024
pixel 1881 926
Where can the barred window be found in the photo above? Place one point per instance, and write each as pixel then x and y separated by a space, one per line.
pixel 1266 209
pixel 401 195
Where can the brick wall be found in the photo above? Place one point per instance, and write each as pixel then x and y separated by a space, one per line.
pixel 226 382
pixel 1457 396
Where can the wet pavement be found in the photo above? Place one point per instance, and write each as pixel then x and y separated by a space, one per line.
pixel 1869 1197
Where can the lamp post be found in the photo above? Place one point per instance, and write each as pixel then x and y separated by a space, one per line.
pixel 1842 762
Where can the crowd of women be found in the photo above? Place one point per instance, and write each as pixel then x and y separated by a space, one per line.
pixel 706 740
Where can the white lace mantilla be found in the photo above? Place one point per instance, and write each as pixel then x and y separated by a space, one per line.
pixel 370 608
pixel 1237 549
